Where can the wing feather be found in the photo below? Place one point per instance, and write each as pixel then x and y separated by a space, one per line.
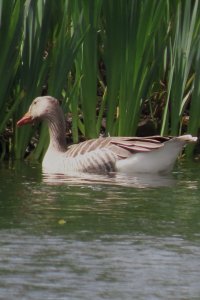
pixel 122 147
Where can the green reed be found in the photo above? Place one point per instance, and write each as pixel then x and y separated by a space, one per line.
pixel 11 25
pixel 181 60
pixel 56 47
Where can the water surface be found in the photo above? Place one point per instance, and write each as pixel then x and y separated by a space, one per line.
pixel 99 237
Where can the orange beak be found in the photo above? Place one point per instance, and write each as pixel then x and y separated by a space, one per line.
pixel 26 119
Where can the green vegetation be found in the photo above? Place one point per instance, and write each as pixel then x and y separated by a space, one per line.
pixel 123 61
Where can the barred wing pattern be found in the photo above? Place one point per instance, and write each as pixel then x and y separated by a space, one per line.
pixel 121 146
pixel 101 154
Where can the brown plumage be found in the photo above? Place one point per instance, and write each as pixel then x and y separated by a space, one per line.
pixel 123 147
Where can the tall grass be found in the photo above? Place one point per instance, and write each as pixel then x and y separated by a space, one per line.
pixel 89 64
pixel 131 30
pixel 56 47
pixel 11 29
pixel 33 65
pixel 194 121
pixel 181 56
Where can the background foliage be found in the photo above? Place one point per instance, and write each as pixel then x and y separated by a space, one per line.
pixel 123 61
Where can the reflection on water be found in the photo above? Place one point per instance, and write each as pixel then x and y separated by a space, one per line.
pixel 137 180
pixel 99 237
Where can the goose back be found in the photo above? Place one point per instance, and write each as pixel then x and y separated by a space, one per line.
pixel 122 147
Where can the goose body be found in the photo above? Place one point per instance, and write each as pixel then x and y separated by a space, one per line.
pixel 110 154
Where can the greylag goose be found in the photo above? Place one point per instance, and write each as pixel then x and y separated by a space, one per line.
pixel 110 154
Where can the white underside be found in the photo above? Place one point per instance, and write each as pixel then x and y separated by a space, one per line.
pixel 158 161
pixel 53 163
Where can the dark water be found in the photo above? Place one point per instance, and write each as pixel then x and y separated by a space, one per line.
pixel 99 237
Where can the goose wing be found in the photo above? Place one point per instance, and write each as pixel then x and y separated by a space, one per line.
pixel 100 155
pixel 122 147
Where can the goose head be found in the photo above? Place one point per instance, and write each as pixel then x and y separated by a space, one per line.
pixel 42 108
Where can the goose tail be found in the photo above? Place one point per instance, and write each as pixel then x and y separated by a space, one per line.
pixel 157 161
pixel 187 138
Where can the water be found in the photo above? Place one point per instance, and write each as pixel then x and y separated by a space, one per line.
pixel 98 237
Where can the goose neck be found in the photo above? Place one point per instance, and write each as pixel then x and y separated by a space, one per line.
pixel 57 128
